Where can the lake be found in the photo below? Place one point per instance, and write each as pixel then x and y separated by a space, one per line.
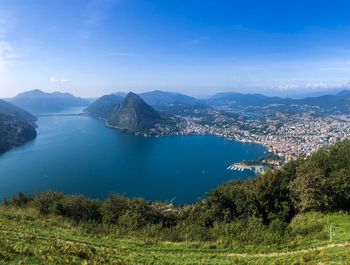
pixel 79 155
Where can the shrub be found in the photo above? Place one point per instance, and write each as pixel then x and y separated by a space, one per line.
pixel 308 225
pixel 48 202
pixel 113 207
pixel 80 209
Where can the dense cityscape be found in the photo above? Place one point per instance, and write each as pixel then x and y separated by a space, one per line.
pixel 285 135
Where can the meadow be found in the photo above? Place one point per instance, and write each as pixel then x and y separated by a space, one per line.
pixel 27 237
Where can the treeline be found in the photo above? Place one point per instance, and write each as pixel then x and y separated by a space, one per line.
pixel 270 208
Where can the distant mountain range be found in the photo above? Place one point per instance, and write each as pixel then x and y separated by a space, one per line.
pixel 150 112
pixel 16 126
pixel 325 104
pixel 158 98
pixel 232 98
pixel 37 101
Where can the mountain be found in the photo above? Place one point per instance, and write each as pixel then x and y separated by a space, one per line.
pixel 157 98
pixel 122 94
pixel 325 104
pixel 232 98
pixel 344 93
pixel 9 109
pixel 135 115
pixel 104 106
pixel 37 101
pixel 16 126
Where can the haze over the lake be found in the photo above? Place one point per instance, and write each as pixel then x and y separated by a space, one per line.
pixel 95 47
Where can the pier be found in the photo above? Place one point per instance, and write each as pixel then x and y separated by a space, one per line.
pixel 258 169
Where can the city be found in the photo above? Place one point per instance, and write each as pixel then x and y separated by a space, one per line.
pixel 286 135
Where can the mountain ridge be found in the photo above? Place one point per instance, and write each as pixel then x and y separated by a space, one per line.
pixel 37 101
pixel 158 97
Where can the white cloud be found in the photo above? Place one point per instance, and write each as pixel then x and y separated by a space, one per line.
pixel 317 86
pixel 287 87
pixel 54 79
pixel 313 86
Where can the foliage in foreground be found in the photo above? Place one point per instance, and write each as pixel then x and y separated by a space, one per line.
pixel 27 237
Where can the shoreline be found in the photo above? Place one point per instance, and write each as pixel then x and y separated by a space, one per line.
pixel 266 147
pixel 184 134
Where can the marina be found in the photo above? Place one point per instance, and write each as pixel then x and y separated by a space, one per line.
pixel 257 169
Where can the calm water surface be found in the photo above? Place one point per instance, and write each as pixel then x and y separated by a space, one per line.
pixel 79 155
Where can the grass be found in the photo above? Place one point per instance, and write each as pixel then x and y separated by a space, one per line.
pixel 28 238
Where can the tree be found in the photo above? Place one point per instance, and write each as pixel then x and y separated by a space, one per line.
pixel 113 207
pixel 310 188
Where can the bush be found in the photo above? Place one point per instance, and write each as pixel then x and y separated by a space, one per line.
pixel 48 202
pixel 113 207
pixel 80 209
pixel 308 225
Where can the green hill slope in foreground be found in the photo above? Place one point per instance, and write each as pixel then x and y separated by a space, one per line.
pixel 29 238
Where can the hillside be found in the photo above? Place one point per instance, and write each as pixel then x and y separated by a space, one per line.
pixel 104 106
pixel 159 98
pixel 31 238
pixel 37 101
pixel 9 109
pixel 135 115
pixel 325 104
pixel 16 126
pixel 232 98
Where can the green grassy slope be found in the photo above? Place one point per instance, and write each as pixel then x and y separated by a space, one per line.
pixel 28 238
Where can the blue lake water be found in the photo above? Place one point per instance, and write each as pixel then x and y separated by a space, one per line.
pixel 79 155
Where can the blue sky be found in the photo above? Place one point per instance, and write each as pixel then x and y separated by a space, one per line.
pixel 95 47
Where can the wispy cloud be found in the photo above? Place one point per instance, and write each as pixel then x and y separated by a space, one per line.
pixel 7 54
pixel 54 79
pixel 313 86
